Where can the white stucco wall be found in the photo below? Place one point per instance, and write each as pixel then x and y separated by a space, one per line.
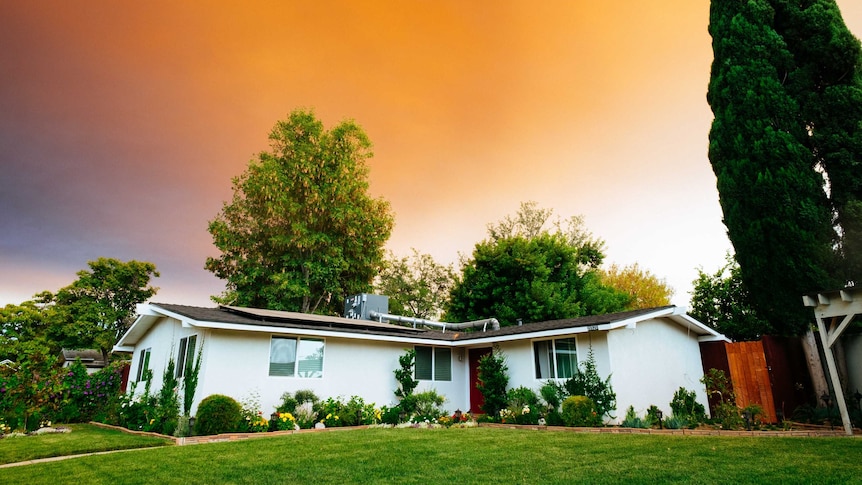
pixel 650 362
pixel 159 341
pixel 521 361
pixel 237 364
pixel 647 365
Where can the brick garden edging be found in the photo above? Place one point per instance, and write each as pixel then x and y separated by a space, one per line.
pixel 194 440
pixel 679 432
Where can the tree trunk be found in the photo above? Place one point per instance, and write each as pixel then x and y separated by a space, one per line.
pixel 815 365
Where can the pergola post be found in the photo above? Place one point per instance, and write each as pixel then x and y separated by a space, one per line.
pixel 833 376
pixel 846 303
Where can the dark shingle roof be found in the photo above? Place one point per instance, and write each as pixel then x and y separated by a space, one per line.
pixel 257 317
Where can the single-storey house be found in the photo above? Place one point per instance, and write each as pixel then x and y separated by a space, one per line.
pixel 648 353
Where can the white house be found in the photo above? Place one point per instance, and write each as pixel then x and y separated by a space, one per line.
pixel 649 353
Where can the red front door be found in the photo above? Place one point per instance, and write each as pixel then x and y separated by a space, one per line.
pixel 476 397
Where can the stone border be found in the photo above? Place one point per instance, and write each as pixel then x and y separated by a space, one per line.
pixel 194 440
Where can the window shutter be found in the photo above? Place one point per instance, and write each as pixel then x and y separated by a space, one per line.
pixel 442 364
pixel 423 363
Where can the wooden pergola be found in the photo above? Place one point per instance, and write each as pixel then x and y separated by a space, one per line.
pixel 834 311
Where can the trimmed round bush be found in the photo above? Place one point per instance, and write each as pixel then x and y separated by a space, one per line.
pixel 217 414
pixel 580 411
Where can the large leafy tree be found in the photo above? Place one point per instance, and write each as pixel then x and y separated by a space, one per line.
pixel 24 334
pixel 301 230
pixel 722 301
pixel 97 308
pixel 777 214
pixel 529 273
pixel 645 289
pixel 417 286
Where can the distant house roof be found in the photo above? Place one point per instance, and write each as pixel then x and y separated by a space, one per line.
pixel 274 321
pixel 91 358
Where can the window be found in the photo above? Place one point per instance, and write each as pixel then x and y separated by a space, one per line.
pixel 295 357
pixel 143 364
pixel 433 363
pixel 186 355
pixel 556 359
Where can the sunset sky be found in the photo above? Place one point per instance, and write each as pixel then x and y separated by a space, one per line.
pixel 122 124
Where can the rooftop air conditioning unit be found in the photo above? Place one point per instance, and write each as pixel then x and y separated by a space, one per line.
pixel 359 307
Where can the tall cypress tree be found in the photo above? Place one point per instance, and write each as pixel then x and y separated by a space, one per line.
pixel 827 83
pixel 777 215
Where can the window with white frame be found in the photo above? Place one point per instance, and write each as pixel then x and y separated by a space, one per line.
pixel 186 354
pixel 296 357
pixel 433 363
pixel 143 364
pixel 556 359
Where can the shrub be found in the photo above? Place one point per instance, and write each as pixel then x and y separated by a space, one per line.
pixel 428 405
pixel 727 415
pixel 217 414
pixel 251 415
pixel 391 415
pixel 652 415
pixel 285 422
pixel 522 396
pixel 406 382
pixel 306 395
pixel 685 405
pixel 553 393
pixel 493 380
pixel 632 420
pixel 677 422
pixel 586 382
pixel 89 397
pixel 580 411
pixel 356 412
pixel 167 402
pixel 288 403
pixel 305 415
pixel 330 412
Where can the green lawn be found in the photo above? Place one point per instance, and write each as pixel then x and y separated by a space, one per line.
pixel 463 456
pixel 84 438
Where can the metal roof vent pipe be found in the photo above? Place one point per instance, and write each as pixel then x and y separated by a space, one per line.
pixel 380 317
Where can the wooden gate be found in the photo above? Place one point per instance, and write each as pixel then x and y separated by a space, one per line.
pixel 750 376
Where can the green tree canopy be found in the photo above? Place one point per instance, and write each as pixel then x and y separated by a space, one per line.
pixel 97 308
pixel 645 290
pixel 777 214
pixel 525 272
pixel 301 231
pixel 24 334
pixel 91 313
pixel 417 286
pixel 721 301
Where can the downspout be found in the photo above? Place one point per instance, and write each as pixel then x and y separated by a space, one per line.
pixel 495 325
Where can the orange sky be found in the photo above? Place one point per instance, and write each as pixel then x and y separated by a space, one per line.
pixel 121 126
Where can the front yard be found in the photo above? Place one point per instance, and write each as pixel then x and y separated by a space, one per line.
pixel 472 455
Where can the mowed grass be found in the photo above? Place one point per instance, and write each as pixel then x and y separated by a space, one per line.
pixel 467 456
pixel 84 438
